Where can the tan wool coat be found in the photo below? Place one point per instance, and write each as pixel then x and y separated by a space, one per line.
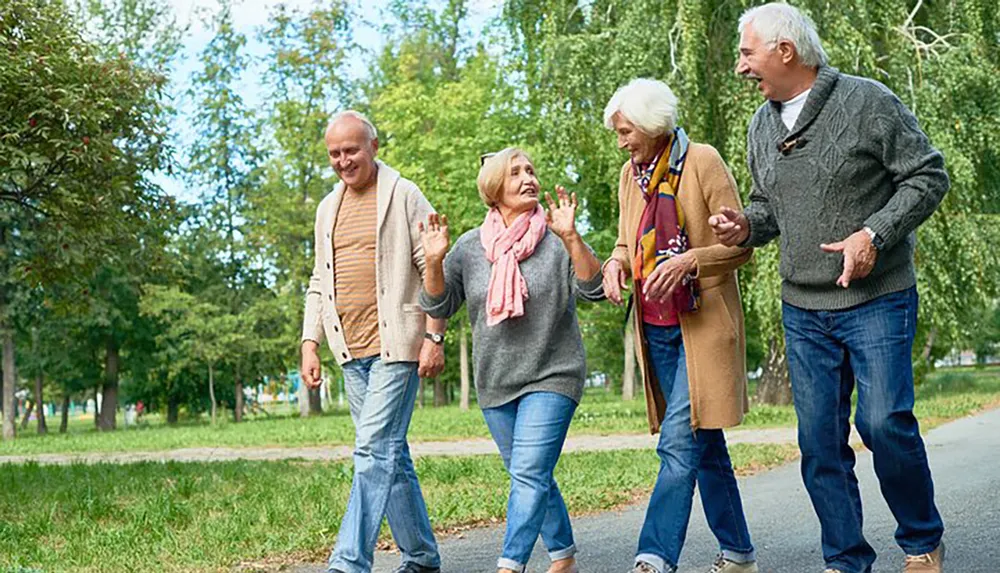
pixel 714 337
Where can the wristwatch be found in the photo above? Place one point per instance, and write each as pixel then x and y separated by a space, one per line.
pixel 875 239
pixel 434 337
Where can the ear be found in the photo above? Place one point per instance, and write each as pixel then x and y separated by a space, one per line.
pixel 374 147
pixel 787 51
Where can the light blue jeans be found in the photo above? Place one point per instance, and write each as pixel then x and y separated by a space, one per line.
pixel 381 397
pixel 530 432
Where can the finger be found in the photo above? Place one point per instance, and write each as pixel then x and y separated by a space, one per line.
pixel 837 247
pixel 622 279
pixel 550 202
pixel 848 274
pixel 652 287
pixel 572 200
pixel 561 193
pixel 444 223
pixel 420 227
pixel 730 213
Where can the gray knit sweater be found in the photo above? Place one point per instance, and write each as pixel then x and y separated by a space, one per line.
pixel 539 351
pixel 860 159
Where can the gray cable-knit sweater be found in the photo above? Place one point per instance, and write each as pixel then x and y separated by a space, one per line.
pixel 859 159
pixel 540 351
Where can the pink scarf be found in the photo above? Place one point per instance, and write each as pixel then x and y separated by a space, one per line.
pixel 505 248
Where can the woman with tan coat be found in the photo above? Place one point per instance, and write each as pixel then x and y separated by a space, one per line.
pixel 688 322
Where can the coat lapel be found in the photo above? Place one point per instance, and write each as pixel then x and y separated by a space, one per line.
pixel 387 178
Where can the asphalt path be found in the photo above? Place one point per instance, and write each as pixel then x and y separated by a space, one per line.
pixel 965 462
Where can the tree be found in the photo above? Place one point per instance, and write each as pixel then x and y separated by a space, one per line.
pixel 80 132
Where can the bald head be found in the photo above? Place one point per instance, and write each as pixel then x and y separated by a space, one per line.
pixel 351 145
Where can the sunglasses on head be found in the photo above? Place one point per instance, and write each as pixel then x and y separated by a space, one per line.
pixel 484 157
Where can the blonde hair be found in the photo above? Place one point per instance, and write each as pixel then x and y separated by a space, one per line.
pixel 493 174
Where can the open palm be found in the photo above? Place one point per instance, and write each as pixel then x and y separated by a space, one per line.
pixel 561 215
pixel 434 236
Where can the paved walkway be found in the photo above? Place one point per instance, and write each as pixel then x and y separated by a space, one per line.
pixel 332 453
pixel 963 458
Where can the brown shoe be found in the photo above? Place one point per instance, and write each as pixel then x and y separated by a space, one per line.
pixel 926 563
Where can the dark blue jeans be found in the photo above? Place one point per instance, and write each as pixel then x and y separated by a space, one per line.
pixel 687 456
pixel 828 353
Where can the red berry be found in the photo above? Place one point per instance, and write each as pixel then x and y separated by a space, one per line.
pixel 32 122
pixel 86 140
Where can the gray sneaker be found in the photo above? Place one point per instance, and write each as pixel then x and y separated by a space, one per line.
pixel 410 567
pixel 643 567
pixel 723 565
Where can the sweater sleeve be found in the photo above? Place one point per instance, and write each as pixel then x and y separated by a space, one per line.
pixel 759 212
pixel 919 177
pixel 451 300
pixel 592 289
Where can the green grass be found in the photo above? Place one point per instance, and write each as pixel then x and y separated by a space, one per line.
pixel 213 516
pixel 945 395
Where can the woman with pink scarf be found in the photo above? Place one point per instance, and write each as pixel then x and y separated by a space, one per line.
pixel 520 274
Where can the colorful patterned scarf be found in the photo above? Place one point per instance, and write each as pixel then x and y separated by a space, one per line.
pixel 661 233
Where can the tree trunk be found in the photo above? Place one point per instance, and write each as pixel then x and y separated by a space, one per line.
pixel 440 399
pixel 211 389
pixel 109 393
pixel 173 410
pixel 97 407
pixel 315 401
pixel 27 415
pixel 463 362
pixel 628 374
pixel 238 407
pixel 9 379
pixel 64 421
pixel 775 387
pixel 925 355
pixel 39 379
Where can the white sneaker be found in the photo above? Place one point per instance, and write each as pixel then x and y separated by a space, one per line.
pixel 723 565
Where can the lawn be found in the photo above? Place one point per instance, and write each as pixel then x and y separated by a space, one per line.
pixel 945 395
pixel 214 516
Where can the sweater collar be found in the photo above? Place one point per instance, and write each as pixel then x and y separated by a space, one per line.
pixel 826 80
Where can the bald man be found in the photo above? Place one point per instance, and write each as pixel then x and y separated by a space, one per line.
pixel 362 299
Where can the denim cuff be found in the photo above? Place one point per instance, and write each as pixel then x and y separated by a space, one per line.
pixel 565 553
pixel 738 557
pixel 504 563
pixel 656 562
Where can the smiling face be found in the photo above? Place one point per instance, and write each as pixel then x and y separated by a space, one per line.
pixel 352 152
pixel 766 65
pixel 642 148
pixel 520 188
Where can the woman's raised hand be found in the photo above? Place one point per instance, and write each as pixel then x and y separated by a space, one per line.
pixel 561 215
pixel 434 236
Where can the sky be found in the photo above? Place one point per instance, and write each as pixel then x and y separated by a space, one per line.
pixel 248 17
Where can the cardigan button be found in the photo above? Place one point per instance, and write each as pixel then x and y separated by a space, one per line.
pixel 331 297
pixel 336 328
pixel 344 354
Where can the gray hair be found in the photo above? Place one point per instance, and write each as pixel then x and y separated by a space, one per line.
pixel 778 21
pixel 369 126
pixel 649 104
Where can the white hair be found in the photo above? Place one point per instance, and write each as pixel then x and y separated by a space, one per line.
pixel 648 104
pixel 369 126
pixel 778 21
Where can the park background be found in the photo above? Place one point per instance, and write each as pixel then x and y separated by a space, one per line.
pixel 160 167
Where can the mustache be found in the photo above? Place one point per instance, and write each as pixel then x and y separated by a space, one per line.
pixel 751 76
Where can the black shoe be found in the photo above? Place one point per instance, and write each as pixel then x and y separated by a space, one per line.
pixel 410 567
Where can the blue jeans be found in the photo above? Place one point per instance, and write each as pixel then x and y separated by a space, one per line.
pixel 530 432
pixel 381 397
pixel 688 456
pixel 828 353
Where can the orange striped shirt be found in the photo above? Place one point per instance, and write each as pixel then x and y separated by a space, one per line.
pixel 354 271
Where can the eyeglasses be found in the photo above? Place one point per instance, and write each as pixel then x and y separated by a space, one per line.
pixel 485 156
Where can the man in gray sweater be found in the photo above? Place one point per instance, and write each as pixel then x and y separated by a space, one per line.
pixel 842 176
